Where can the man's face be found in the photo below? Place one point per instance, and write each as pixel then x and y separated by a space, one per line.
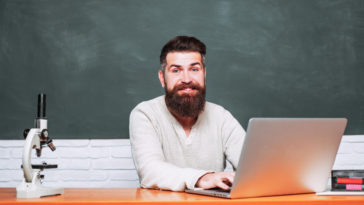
pixel 184 82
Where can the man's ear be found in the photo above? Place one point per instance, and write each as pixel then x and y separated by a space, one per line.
pixel 161 78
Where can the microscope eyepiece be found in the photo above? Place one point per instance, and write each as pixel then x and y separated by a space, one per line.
pixel 41 106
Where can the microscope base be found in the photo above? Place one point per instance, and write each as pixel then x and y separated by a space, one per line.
pixel 36 190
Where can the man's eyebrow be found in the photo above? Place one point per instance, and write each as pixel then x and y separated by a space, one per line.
pixel 175 65
pixel 178 66
pixel 196 63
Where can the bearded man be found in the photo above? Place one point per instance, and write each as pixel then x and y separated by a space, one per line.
pixel 179 140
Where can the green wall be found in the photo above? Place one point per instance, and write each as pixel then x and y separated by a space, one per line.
pixel 96 60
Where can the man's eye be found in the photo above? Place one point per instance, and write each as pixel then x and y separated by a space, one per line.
pixel 175 71
pixel 195 69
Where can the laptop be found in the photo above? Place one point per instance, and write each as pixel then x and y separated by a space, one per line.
pixel 284 156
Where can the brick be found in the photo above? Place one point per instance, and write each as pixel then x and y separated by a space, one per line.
pixel 357 147
pixel 341 167
pixel 110 142
pixel 72 175
pixel 97 184
pixel 11 175
pixel 353 138
pixel 17 153
pixel 71 143
pixel 83 175
pixel 4 153
pixel 6 175
pixel 9 184
pixel 122 175
pixel 73 152
pixel 18 175
pixel 10 163
pixel 76 164
pixel 349 159
pixel 346 148
pixel 121 152
pixel 121 163
pixel 12 143
pixel 99 152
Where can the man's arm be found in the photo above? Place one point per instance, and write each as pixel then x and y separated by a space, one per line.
pixel 153 170
pixel 233 137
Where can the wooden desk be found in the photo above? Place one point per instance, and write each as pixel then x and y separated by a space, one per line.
pixel 145 196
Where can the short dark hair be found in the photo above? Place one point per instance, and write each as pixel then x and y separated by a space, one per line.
pixel 182 43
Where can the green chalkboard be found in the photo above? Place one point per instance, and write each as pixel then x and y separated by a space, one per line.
pixel 96 60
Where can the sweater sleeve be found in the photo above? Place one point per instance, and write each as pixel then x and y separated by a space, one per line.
pixel 233 135
pixel 149 160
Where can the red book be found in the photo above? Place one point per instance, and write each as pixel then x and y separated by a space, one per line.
pixel 349 180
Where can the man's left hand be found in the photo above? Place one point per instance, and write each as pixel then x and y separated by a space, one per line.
pixel 221 180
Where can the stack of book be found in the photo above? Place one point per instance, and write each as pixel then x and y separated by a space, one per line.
pixel 347 180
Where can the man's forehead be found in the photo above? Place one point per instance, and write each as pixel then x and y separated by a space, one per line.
pixel 185 57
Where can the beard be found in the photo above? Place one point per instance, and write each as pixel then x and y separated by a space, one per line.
pixel 186 105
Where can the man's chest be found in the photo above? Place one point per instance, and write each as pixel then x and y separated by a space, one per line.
pixel 202 149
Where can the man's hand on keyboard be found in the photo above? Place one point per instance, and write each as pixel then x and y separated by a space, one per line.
pixel 221 180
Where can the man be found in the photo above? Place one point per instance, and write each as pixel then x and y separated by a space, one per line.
pixel 178 140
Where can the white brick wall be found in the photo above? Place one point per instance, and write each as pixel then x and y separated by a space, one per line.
pixel 108 163
pixel 81 163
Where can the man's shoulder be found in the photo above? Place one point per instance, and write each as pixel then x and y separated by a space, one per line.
pixel 151 104
pixel 213 107
pixel 216 112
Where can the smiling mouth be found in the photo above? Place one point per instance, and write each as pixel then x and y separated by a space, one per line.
pixel 187 90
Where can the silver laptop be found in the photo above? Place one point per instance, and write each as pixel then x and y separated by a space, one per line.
pixel 284 156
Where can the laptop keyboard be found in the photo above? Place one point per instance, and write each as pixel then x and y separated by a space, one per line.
pixel 218 190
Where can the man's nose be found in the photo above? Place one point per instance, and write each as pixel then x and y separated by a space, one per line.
pixel 186 78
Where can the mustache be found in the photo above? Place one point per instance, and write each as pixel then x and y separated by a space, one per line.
pixel 185 105
pixel 186 86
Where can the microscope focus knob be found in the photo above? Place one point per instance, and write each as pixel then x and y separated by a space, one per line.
pixel 44 134
pixel 51 145
pixel 25 133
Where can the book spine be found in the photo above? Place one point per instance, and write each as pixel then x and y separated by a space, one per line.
pixel 348 187
pixel 349 180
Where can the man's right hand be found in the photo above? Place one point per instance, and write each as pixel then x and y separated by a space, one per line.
pixel 221 180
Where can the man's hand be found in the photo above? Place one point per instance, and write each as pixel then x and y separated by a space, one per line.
pixel 221 180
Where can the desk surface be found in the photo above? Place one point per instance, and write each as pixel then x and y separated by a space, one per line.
pixel 146 196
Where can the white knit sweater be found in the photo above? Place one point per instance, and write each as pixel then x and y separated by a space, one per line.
pixel 166 158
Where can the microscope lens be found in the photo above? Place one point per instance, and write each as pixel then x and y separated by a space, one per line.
pixel 41 106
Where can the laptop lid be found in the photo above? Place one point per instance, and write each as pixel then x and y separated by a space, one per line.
pixel 287 156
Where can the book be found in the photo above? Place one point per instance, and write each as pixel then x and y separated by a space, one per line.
pixel 348 180
pixel 348 187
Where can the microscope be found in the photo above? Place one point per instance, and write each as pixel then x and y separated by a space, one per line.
pixel 36 138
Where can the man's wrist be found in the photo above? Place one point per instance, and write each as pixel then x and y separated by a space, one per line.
pixel 198 182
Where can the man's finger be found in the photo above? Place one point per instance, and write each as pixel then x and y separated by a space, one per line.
pixel 222 185
pixel 230 178
pixel 227 182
